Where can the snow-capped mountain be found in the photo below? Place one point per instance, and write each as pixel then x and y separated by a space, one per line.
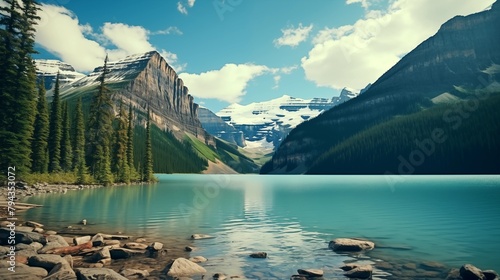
pixel 272 120
pixel 48 68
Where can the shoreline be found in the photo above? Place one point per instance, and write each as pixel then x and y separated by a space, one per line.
pixel 384 266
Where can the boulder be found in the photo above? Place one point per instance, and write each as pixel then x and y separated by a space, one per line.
pixel 140 240
pixel 348 267
pixel 360 272
pixel 157 246
pixel 53 242
pixel 34 224
pixel 123 253
pixel 189 249
pixel 311 272
pixel 350 245
pixel 69 259
pixel 97 240
pixel 39 230
pixel 201 236
pixel 219 276
pixel 81 239
pixel 47 261
pixel 104 253
pixel 183 267
pixel 61 271
pixel 258 255
pixel 83 222
pixel 198 259
pixel 491 274
pixel 470 272
pixel 23 272
pixel 97 273
pixel 50 232
pixel 111 242
pixel 134 272
pixel 22 237
pixel 136 246
pixel 36 246
pixel 25 228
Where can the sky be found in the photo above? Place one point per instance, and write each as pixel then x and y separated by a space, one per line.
pixel 243 51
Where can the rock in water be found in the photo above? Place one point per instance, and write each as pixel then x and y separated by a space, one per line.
pixel 183 267
pixel 470 272
pixel 259 255
pixel 98 273
pixel 350 245
pixel 201 236
pixel 491 274
pixel 311 272
pixel 360 272
pixel 198 259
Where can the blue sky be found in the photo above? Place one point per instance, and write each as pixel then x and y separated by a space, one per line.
pixel 245 51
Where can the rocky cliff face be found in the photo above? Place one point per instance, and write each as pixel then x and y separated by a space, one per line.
pixel 463 55
pixel 147 80
pixel 214 125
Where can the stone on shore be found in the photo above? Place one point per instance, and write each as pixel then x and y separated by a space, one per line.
pixel 123 253
pixel 50 232
pixel 97 240
pixel 111 242
pixel 81 240
pixel 311 272
pixel 157 246
pixel 61 271
pixel 23 272
pixel 83 222
pixel 201 236
pixel 22 237
pixel 183 267
pixel 128 272
pixel 98 273
pixel 135 246
pixel 258 255
pixel 360 272
pixel 219 276
pixel 470 272
pixel 350 245
pixel 34 224
pixel 47 261
pixel 102 254
pixel 491 274
pixel 53 242
pixel 36 246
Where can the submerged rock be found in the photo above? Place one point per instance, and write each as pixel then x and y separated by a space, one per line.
pixel 98 273
pixel 311 272
pixel 134 272
pixel 201 236
pixel 350 245
pixel 360 272
pixel 198 259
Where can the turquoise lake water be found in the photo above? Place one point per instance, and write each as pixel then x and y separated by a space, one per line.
pixel 448 219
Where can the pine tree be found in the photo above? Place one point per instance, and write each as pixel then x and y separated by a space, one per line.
pixel 66 149
pixel 130 144
pixel 148 175
pixel 79 166
pixel 40 155
pixel 100 131
pixel 17 84
pixel 120 163
pixel 55 131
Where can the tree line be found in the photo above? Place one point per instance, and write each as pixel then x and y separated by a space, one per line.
pixel 39 139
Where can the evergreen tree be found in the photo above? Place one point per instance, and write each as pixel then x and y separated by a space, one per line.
pixel 148 158
pixel 79 166
pixel 100 131
pixel 17 84
pixel 40 158
pixel 66 149
pixel 130 144
pixel 55 131
pixel 120 161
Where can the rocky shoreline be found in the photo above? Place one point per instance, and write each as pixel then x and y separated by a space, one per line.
pixel 77 253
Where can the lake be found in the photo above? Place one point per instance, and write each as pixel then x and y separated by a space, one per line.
pixel 447 219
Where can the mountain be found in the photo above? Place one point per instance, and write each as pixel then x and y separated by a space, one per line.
pixel 147 79
pixel 179 142
pixel 48 69
pixel 214 125
pixel 269 122
pixel 461 60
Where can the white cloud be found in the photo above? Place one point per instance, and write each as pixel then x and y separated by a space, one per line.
pixel 78 44
pixel 364 3
pixel 277 80
pixel 355 55
pixel 226 84
pixel 191 3
pixel 293 36
pixel 168 31
pixel 181 8
pixel 62 35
